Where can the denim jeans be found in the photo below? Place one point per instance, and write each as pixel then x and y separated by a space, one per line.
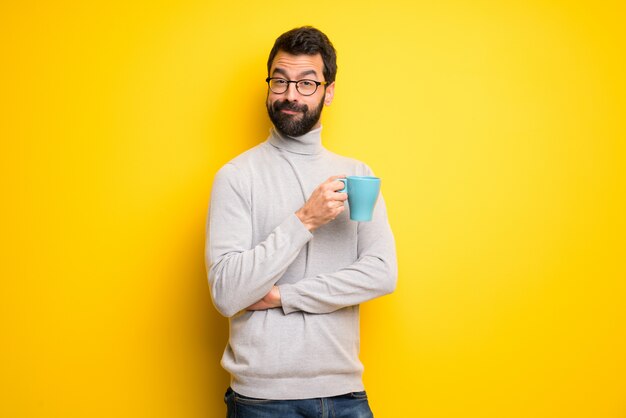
pixel 350 405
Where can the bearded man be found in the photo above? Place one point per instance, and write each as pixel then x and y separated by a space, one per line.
pixel 285 263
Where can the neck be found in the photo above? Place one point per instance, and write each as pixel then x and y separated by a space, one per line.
pixel 309 143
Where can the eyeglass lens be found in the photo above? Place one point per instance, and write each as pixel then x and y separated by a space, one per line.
pixel 304 87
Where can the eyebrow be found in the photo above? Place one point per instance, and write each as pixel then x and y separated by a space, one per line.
pixel 300 75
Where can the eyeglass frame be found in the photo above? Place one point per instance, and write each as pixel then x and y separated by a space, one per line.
pixel 317 84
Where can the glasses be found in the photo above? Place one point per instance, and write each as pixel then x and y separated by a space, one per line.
pixel 304 87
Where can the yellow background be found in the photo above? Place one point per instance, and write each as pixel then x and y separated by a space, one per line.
pixel 498 129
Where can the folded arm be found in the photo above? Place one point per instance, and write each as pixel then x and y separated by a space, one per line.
pixel 373 274
pixel 239 273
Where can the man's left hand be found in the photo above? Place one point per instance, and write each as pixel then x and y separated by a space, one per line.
pixel 269 301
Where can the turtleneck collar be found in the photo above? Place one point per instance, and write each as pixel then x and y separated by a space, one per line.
pixel 308 144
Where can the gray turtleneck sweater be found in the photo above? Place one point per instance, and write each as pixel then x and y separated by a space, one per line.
pixel 309 348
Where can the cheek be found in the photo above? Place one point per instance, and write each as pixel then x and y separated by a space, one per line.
pixel 270 101
pixel 273 98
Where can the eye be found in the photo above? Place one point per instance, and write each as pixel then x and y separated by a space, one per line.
pixel 307 83
pixel 280 81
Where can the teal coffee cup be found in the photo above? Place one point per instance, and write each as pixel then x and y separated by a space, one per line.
pixel 362 196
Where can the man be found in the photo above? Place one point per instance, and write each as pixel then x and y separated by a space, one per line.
pixel 285 263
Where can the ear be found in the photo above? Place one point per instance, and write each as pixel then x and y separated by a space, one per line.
pixel 329 94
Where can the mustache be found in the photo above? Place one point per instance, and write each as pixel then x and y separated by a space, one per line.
pixel 287 105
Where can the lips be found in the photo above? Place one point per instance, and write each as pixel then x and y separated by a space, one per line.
pixel 293 118
pixel 290 108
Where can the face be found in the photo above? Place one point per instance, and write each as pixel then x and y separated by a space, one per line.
pixel 292 113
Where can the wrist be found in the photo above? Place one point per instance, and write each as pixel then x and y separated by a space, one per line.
pixel 306 220
pixel 276 302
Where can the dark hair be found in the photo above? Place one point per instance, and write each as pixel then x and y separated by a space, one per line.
pixel 307 41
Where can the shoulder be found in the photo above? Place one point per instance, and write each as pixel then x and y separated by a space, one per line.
pixel 243 164
pixel 237 171
pixel 251 156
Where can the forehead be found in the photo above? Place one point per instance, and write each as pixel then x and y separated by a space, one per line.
pixel 295 65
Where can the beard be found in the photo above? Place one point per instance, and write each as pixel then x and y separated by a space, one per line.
pixel 293 125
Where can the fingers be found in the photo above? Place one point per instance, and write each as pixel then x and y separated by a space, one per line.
pixel 335 185
pixel 338 185
pixel 336 211
pixel 341 196
pixel 324 205
pixel 331 195
pixel 334 204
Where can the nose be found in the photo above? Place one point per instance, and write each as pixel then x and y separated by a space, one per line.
pixel 292 93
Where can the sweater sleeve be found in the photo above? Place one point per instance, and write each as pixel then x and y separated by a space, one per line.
pixel 373 274
pixel 241 272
